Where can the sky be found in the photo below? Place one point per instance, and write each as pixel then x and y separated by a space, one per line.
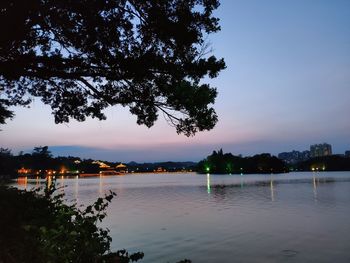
pixel 286 86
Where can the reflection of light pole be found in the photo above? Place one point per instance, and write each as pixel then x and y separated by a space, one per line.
pixel 208 183
pixel 241 177
pixel 76 188
pixel 25 182
pixel 100 188
pixel 272 190
pixel 49 181
pixel 314 187
pixel 62 184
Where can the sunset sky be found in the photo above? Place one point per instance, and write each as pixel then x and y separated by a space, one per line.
pixel 286 86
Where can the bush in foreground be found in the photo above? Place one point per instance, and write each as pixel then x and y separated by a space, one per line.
pixel 38 227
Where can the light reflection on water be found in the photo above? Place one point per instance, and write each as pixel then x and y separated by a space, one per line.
pixel 296 217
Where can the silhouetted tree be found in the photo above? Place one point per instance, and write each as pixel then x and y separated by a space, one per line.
pixel 82 56
pixel 6 162
pixel 42 151
pixel 5 152
pixel 42 158
pixel 4 112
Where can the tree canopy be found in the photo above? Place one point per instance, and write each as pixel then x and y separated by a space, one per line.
pixel 227 163
pixel 81 56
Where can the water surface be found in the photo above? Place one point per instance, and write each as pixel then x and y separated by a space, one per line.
pixel 295 217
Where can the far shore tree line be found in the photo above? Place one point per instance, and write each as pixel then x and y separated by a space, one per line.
pixel 227 163
pixel 40 162
pixel 220 163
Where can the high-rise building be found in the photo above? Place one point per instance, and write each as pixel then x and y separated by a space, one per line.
pixel 318 150
pixel 294 156
pixel 347 153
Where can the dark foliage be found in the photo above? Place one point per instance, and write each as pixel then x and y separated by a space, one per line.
pixel 220 163
pixel 4 112
pixel 7 164
pixel 81 56
pixel 42 228
pixel 38 226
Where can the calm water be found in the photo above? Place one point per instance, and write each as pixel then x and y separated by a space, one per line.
pixel 296 217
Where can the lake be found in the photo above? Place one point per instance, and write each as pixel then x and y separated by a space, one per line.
pixel 295 217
